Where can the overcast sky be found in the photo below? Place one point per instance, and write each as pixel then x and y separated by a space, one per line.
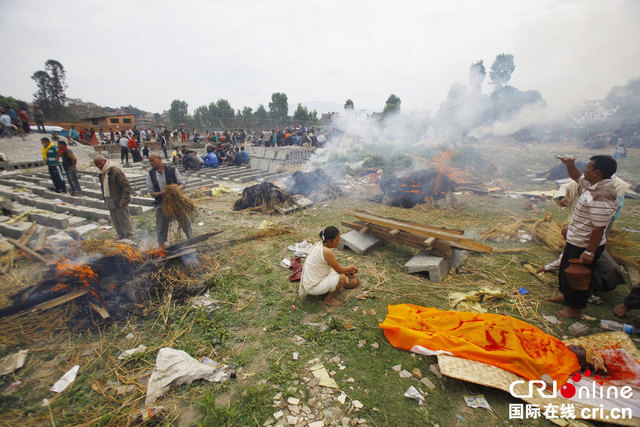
pixel 147 53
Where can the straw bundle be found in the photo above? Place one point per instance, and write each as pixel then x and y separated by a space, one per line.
pixel 109 248
pixel 175 205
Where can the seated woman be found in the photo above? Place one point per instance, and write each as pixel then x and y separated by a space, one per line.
pixel 321 272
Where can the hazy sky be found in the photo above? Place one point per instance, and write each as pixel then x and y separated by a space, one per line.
pixel 147 53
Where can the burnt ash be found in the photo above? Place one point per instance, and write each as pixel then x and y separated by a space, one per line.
pixel 307 183
pixel 416 187
pixel 264 194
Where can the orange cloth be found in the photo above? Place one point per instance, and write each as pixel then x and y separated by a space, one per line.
pixel 502 341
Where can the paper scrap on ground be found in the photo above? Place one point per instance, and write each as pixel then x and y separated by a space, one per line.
pixel 128 353
pixel 301 249
pixel 413 393
pixel 321 374
pixel 176 366
pixel 470 301
pixel 477 401
pixel 65 380
pixel 12 362
pixel 219 191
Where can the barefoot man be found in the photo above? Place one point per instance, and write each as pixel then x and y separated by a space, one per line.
pixel 322 274
pixel 586 237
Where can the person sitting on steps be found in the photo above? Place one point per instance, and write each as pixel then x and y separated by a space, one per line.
pixel 322 273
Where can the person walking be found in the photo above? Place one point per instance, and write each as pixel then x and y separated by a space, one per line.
pixel 50 156
pixel 124 149
pixel 116 192
pixel 157 178
pixel 69 164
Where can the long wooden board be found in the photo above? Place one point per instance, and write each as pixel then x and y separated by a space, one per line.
pixel 29 251
pixel 192 241
pixel 380 233
pixel 60 300
pixel 423 226
pixel 454 239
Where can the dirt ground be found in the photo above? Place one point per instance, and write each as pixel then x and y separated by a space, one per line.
pixel 261 322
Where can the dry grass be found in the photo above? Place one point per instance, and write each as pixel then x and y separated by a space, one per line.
pixel 175 205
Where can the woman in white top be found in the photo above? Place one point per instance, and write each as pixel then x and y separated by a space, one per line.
pixel 321 272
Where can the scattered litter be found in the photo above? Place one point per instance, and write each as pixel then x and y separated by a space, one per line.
pixel 585 317
pixel 204 301
pixel 397 368
pixel 351 380
pixel 278 415
pixel 286 263
pixel 342 398
pixel 405 374
pixel 365 295
pixel 65 380
pixel 265 225
pixel 14 385
pixel 293 401
pixel 524 237
pixel 357 404
pixel 375 346
pixel 12 362
pixel 594 299
pixel 130 336
pixel 470 301
pixel 219 191
pixel 128 353
pixel 435 369
pixel 319 371
pixel 298 340
pixel 413 393
pixel 295 355
pixel 209 362
pixel 369 312
pixel 200 224
pixel 417 373
pixel 427 382
pixel 319 326
pixel 477 401
pixel 426 352
pixel 176 366
pixel 301 249
pixel 552 319
pixel 361 343
pixel 125 389
pixel 460 417
pixel 348 326
pixel 578 329
pixel 155 413
pixel 523 291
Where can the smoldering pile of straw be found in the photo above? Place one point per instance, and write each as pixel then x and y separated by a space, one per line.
pixel 175 205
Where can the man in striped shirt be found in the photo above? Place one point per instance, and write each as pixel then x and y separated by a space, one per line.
pixel 586 237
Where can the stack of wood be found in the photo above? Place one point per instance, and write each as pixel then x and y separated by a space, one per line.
pixel 437 240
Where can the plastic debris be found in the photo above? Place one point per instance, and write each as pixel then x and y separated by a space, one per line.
pixel 357 404
pixel 204 301
pixel 427 382
pixel 209 362
pixel 397 368
pixel 413 393
pixel 128 353
pixel 295 355
pixel 435 369
pixel 176 366
pixel 318 370
pixel 65 380
pixel 12 362
pixel 405 374
pixel 578 329
pixel 523 291
pixel 552 319
pixel 301 249
pixel 286 263
pixel 130 336
pixel 477 401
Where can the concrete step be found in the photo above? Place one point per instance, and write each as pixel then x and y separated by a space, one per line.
pixel 46 218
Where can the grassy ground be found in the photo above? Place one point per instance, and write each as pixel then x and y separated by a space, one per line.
pixel 260 313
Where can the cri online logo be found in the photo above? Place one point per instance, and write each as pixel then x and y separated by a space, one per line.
pixel 569 390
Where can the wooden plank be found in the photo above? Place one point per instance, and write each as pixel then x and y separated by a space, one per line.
pixel 29 251
pixel 27 235
pixel 42 238
pixel 424 226
pixel 454 239
pixel 100 310
pixel 363 230
pixel 429 241
pixel 193 241
pixel 381 234
pixel 178 255
pixel 60 300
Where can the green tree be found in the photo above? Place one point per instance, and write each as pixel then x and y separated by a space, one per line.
pixel 179 112
pixel 261 114
pixel 247 113
pixel 501 70
pixel 348 105
pixel 477 73
pixel 224 109
pixel 10 101
pixel 279 106
pixel 392 106
pixel 301 114
pixel 51 85
pixel 201 116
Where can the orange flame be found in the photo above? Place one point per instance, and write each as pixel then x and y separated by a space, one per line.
pixel 157 253
pixel 83 273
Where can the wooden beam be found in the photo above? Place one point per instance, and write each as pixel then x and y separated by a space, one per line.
pixel 27 235
pixel 192 241
pixel 429 241
pixel 60 300
pixel 379 232
pixel 453 239
pixel 100 310
pixel 396 231
pixel 42 238
pixel 424 226
pixel 363 230
pixel 29 251
pixel 177 255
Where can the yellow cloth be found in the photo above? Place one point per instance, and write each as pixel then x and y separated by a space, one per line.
pixel 501 341
pixel 44 151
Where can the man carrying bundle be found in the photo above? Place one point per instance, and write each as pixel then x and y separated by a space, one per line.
pixel 157 179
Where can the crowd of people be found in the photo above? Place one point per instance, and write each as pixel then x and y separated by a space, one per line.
pixel 16 123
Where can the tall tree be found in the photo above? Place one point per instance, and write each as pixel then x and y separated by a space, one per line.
pixel 224 109
pixel 178 113
pixel 51 85
pixel 348 105
pixel 279 106
pixel 392 106
pixel 261 113
pixel 301 114
pixel 477 73
pixel 201 116
pixel 501 70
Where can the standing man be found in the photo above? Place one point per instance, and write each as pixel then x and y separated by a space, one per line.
pixel 39 118
pixel 124 148
pixel 116 192
pixel 586 236
pixel 69 163
pixel 50 156
pixel 163 145
pixel 157 179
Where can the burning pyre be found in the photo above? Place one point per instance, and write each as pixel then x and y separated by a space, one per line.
pixel 416 187
pixel 265 195
pixel 308 183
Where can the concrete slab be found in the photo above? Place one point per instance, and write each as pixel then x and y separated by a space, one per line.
pixel 457 257
pixel 359 243
pixel 14 230
pixel 437 267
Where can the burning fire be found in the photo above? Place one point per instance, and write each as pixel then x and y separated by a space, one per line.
pixel 81 273
pixel 157 253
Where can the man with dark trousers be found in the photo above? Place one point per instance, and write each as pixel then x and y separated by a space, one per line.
pixel 50 156
pixel 586 236
pixel 157 178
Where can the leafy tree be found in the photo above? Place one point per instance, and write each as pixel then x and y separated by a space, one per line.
pixel 201 115
pixel 214 111
pixel 51 85
pixel 501 70
pixel 178 113
pixel 348 105
pixel 10 101
pixel 279 106
pixel 224 109
pixel 301 114
pixel 261 113
pixel 392 106
pixel 247 113
pixel 477 73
